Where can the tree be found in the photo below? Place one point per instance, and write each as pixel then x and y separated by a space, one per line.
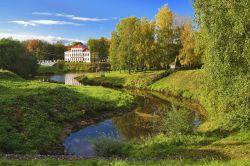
pixel 59 49
pixel 145 46
pixel 224 27
pixel 114 57
pixel 15 57
pixel 36 48
pixel 46 51
pixel 165 35
pixel 187 53
pixel 99 48
pixel 126 30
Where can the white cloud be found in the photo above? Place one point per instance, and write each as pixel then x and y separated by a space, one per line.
pixel 43 22
pixel 73 17
pixel 24 23
pixel 50 39
pixel 90 19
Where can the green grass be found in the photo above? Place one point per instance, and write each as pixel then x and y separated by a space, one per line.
pixel 209 142
pixel 181 83
pixel 198 146
pixel 28 105
pixel 32 112
pixel 117 162
pixel 116 79
pixel 43 70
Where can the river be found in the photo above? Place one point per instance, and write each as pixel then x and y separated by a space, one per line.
pixel 140 123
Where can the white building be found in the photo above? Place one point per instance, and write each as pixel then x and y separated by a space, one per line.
pixel 78 53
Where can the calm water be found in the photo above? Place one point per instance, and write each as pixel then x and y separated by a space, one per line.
pixel 67 79
pixel 142 122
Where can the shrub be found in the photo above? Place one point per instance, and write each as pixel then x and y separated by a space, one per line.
pixel 60 64
pixel 178 122
pixel 110 147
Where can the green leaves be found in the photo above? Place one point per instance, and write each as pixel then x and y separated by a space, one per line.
pixel 224 29
pixel 15 57
pixel 140 44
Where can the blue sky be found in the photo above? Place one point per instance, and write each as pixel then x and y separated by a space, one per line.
pixel 76 19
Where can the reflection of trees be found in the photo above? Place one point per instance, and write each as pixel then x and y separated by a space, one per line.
pixel 133 125
pixel 149 116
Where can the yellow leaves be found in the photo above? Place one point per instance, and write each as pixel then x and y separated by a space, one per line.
pixel 187 54
pixel 164 18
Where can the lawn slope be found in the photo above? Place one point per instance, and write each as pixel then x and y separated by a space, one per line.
pixel 139 80
pixel 32 112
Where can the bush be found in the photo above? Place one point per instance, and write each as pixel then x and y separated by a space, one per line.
pixel 110 147
pixel 178 122
pixel 60 64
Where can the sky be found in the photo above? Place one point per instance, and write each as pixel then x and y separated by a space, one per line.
pixel 76 20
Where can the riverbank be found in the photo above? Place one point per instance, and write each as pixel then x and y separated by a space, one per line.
pixel 64 67
pixel 139 80
pixel 75 161
pixel 215 143
pixel 32 111
pixel 46 70
pixel 201 147
pixel 183 84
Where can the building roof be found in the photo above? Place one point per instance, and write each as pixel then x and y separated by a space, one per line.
pixel 84 47
pixel 80 46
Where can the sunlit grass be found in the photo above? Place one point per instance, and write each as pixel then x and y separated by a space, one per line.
pixel 181 83
pixel 123 79
pixel 32 111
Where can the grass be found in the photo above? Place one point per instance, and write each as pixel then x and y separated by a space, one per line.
pixel 32 111
pixel 43 70
pixel 208 143
pixel 199 146
pixel 181 83
pixel 204 147
pixel 116 79
pixel 50 162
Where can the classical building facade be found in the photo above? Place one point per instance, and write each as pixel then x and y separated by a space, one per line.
pixel 78 53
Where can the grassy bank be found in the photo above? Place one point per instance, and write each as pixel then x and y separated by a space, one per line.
pixel 44 70
pixel 204 162
pixel 182 83
pixel 63 67
pixel 210 141
pixel 32 112
pixel 124 79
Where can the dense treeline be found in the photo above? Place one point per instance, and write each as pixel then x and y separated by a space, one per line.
pixel 139 44
pixel 224 35
pixel 15 57
pixel 99 49
pixel 43 50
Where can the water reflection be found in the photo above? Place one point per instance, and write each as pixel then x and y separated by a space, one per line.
pixel 80 143
pixel 142 122
pixel 68 79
